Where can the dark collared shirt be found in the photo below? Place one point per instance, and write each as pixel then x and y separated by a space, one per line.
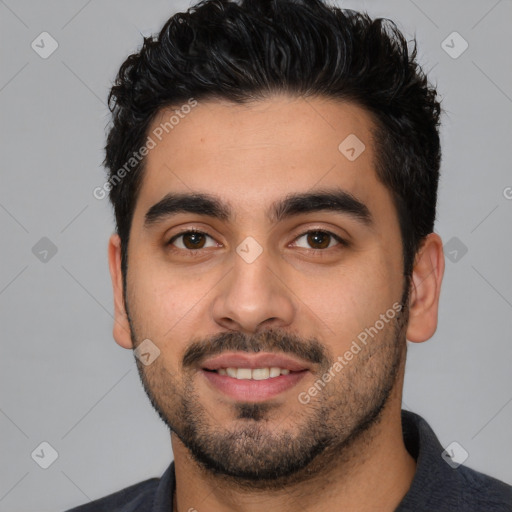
pixel 436 487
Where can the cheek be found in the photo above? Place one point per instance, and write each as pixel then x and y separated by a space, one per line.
pixel 164 304
pixel 348 299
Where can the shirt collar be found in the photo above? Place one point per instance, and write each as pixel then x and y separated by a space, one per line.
pixel 431 469
pixel 165 491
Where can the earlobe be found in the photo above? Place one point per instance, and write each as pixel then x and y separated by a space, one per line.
pixel 121 330
pixel 425 289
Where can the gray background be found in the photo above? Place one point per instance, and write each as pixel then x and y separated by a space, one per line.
pixel 63 379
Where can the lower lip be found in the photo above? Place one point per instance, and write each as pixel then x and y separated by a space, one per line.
pixel 250 390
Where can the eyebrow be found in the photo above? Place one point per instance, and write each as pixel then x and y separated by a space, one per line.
pixel 334 200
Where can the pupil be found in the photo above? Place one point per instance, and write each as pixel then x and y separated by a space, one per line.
pixel 317 237
pixel 191 237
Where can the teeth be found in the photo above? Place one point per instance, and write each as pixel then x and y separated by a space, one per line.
pixel 275 372
pixel 255 374
pixel 244 373
pixel 260 373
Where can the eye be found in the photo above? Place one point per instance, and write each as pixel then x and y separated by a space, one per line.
pixel 191 240
pixel 319 239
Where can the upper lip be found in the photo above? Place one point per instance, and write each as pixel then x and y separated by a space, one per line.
pixel 260 360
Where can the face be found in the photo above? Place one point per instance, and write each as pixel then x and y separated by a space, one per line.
pixel 265 265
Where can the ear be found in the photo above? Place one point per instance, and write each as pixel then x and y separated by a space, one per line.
pixel 121 329
pixel 425 289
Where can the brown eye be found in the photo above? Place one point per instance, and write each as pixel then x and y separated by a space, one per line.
pixel 318 240
pixel 190 240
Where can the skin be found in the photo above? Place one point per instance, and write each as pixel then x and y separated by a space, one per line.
pixel 250 156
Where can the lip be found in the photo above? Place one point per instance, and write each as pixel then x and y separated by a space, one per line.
pixel 252 361
pixel 249 390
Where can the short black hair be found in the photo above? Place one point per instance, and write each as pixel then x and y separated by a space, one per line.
pixel 248 50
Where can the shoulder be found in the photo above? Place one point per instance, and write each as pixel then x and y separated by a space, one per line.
pixel 443 486
pixel 484 492
pixel 138 497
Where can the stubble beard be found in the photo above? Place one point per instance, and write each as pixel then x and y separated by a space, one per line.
pixel 259 454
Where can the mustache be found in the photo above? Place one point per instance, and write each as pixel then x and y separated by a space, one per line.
pixel 272 340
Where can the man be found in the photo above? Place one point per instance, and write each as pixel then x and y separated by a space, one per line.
pixel 273 170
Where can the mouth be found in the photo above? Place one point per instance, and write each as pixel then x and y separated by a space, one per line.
pixel 253 377
pixel 252 374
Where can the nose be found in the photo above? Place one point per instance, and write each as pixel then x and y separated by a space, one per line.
pixel 253 297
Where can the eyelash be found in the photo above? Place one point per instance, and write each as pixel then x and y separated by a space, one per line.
pixel 193 252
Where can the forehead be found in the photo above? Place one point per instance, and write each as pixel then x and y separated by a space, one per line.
pixel 252 155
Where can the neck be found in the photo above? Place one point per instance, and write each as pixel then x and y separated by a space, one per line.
pixel 373 473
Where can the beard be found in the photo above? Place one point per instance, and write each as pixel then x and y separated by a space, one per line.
pixel 258 450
